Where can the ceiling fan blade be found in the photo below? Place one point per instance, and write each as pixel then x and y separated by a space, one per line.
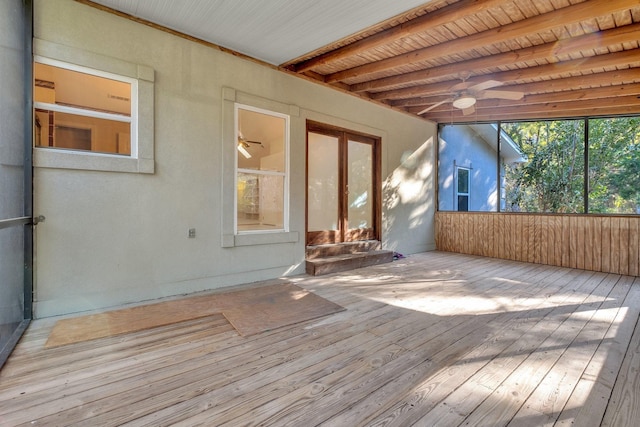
pixel 242 139
pixel 501 94
pixel 461 86
pixel 437 104
pixel 486 85
pixel 469 110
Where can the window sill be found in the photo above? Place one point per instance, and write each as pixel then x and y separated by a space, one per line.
pixel 52 158
pixel 253 239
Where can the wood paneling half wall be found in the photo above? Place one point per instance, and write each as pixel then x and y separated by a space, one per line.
pixel 609 244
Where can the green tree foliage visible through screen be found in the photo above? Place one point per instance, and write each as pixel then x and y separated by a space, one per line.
pixel 614 165
pixel 551 180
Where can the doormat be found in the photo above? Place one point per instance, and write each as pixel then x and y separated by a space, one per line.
pixel 250 311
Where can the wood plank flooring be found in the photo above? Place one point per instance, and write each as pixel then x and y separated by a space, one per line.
pixel 433 339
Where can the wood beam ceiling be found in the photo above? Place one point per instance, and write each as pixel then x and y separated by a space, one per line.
pixel 567 59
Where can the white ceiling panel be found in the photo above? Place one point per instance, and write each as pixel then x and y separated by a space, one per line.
pixel 274 31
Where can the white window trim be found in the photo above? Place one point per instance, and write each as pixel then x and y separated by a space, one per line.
pixel 284 174
pixel 83 112
pixel 230 238
pixel 458 193
pixel 141 79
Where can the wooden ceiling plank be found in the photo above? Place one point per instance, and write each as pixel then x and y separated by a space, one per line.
pixel 622 18
pixel 564 96
pixel 535 73
pixel 560 17
pixel 457 31
pixel 439 17
pixel 605 38
pixel 533 8
pixel 480 22
pixel 515 115
pixel 560 109
pixel 615 96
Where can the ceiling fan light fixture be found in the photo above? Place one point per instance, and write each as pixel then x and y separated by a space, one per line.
pixel 242 148
pixel 464 101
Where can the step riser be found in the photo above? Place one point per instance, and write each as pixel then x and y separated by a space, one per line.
pixel 323 251
pixel 320 266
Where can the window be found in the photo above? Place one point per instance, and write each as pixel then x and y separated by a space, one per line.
pixel 262 139
pixel 589 165
pixel 552 177
pixel 614 165
pixel 462 189
pixel 81 109
pixel 472 149
pixel 91 112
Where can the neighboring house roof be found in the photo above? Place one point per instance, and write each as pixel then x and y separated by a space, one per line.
pixel 509 150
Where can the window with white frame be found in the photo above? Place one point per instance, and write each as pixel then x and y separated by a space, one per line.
pixel 262 140
pixel 91 112
pixel 77 108
pixel 462 189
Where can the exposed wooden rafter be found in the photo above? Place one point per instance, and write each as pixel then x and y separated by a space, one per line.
pixel 439 17
pixel 568 59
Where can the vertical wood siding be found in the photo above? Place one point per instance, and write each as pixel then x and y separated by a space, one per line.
pixel 610 244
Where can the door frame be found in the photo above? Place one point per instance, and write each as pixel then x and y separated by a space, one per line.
pixel 342 235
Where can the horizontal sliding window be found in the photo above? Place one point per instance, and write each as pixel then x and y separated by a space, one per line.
pixel 83 110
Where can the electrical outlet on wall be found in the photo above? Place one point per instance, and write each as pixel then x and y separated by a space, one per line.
pixel 192 233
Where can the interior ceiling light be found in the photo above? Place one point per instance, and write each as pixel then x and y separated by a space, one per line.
pixel 242 148
pixel 464 101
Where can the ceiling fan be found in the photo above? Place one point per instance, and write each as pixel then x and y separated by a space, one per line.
pixel 243 144
pixel 465 95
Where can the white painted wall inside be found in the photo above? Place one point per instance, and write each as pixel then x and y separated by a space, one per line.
pixel 113 238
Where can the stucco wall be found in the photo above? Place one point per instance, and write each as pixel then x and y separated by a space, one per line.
pixel 112 237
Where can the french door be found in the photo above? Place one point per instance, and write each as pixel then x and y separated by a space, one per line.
pixel 343 185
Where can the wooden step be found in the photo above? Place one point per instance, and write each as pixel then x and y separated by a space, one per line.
pixel 328 250
pixel 348 261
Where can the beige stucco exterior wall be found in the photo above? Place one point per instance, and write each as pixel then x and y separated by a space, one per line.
pixel 115 237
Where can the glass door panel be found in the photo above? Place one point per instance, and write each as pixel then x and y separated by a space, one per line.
pixel 360 207
pixel 323 183
pixel 342 186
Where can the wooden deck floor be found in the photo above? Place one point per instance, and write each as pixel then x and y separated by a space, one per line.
pixel 434 339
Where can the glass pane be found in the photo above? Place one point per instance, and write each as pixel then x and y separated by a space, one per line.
pixel 55 85
pixel 261 141
pixel 12 288
pixel 260 202
pixel 323 182
pixel 75 132
pixel 551 179
pixel 469 151
pixel 463 203
pixel 360 185
pixel 614 165
pixel 12 175
pixel 463 181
